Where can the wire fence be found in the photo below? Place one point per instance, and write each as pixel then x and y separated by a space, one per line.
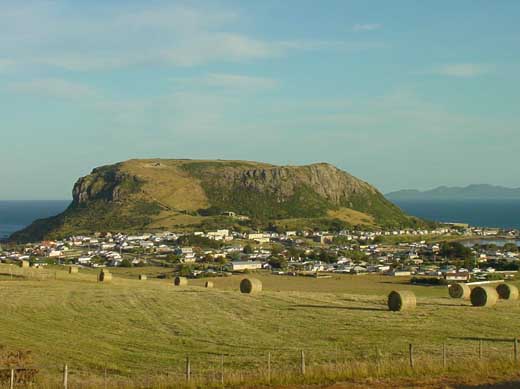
pixel 286 366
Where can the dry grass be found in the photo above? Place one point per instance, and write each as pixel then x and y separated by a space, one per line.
pixel 142 331
pixel 174 220
pixel 172 187
pixel 351 216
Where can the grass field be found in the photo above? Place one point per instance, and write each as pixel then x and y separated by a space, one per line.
pixel 136 328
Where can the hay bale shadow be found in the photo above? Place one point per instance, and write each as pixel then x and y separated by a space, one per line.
pixel 339 307
pixel 501 385
pixel 444 305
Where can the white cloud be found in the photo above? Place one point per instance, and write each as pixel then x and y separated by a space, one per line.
pixel 113 37
pixel 53 87
pixel 240 81
pixel 217 47
pixel 367 27
pixel 6 64
pixel 229 82
pixel 466 70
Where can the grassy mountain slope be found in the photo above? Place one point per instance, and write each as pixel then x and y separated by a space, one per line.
pixel 186 194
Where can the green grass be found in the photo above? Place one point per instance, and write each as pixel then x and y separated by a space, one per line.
pixel 141 328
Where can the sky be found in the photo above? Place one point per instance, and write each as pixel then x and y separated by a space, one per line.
pixel 403 94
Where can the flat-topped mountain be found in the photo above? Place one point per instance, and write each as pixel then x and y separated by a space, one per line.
pixel 159 194
pixel 470 192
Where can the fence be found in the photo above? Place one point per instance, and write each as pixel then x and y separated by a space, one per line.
pixel 288 366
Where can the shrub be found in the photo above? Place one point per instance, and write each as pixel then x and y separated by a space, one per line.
pixel 428 281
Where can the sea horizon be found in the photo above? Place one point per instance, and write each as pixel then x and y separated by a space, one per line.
pixel 18 214
pixel 476 212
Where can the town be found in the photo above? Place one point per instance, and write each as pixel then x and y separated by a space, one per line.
pixel 446 253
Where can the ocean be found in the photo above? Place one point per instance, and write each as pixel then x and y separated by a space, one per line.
pixel 15 215
pixel 482 213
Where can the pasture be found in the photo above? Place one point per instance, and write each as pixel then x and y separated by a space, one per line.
pixel 134 328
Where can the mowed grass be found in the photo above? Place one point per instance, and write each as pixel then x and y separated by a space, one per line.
pixel 136 327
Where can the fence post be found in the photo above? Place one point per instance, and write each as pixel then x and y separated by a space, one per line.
pixel 65 376
pixel 410 352
pixel 188 369
pixel 303 362
pixel 269 367
pixel 444 356
pixel 11 381
pixel 515 348
pixel 222 369
pixel 480 349
pixel 105 378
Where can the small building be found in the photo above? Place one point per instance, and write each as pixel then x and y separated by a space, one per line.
pixel 400 273
pixel 255 236
pixel 324 239
pixel 456 276
pixel 244 265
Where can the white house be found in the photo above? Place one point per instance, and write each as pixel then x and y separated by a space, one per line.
pixel 244 265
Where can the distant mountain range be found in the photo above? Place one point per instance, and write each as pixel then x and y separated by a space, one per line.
pixel 471 192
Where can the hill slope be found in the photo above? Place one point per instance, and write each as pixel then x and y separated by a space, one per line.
pixel 165 194
pixel 481 192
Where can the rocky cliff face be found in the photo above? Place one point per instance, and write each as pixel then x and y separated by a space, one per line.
pixel 104 184
pixel 327 181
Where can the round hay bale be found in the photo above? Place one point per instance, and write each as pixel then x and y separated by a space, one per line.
pixel 180 281
pixel 251 285
pixel 104 276
pixel 507 292
pixel 459 291
pixel 484 296
pixel 401 300
pixel 143 277
pixel 73 269
pixel 209 284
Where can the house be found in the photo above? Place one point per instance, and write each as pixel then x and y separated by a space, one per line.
pixel 358 269
pixel 84 260
pixel 456 276
pixel 324 239
pixel 255 236
pixel 244 265
pixel 399 273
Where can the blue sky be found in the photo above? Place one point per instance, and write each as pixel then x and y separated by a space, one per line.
pixel 403 94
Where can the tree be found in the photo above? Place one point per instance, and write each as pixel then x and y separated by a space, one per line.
pixel 125 263
pixel 222 260
pixel 356 256
pixel 294 252
pixel 276 249
pixel 511 247
pixel 208 258
pixel 235 256
pixel 247 249
pixel 327 257
pixel 185 270
pixel 278 262
pixel 455 250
